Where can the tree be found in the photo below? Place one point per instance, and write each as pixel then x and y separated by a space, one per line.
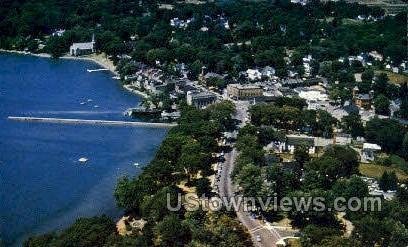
pixel 56 46
pixel 192 159
pixel 203 187
pixel 382 105
pixel 158 54
pixel 281 182
pixel 367 76
pixel 154 207
pixel 313 235
pixel 352 124
pixel 371 231
pixel 319 216
pixel 327 167
pixel 404 149
pixel 301 155
pixel 195 69
pixel 352 187
pixel 403 112
pixel 85 232
pixel 348 158
pixel 388 181
pixel 249 178
pixel 171 232
pixel 385 132
pixel 381 84
pixel 335 241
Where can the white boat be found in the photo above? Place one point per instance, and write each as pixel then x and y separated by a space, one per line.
pixel 136 164
pixel 83 159
pixel 96 106
pixel 89 100
pixel 82 103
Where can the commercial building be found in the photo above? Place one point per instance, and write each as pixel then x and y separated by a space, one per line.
pixel 200 99
pixel 238 91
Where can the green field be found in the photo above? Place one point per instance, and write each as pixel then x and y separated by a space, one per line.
pixel 376 171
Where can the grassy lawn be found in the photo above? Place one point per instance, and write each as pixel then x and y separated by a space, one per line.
pixel 286 156
pixel 376 171
pixel 294 243
pixel 352 22
pixel 394 78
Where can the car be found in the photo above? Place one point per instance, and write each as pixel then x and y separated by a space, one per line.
pixel 258 238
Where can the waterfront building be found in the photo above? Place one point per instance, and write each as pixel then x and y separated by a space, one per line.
pixel 200 99
pixel 170 115
pixel 79 49
pixel 238 91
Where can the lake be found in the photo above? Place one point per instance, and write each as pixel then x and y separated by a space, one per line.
pixel 43 186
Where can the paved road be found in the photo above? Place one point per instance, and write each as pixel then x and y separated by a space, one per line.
pixel 269 236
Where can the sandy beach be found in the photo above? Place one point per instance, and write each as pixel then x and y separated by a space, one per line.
pixel 100 59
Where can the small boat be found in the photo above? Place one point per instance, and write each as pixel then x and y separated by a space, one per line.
pixel 82 103
pixel 89 100
pixel 136 164
pixel 83 159
pixel 96 106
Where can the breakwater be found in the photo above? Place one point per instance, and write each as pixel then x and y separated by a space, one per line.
pixel 92 122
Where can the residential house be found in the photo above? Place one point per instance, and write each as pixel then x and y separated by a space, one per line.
pixel 362 100
pixel 293 141
pixel 253 74
pixel 268 72
pixel 368 151
pixel 342 139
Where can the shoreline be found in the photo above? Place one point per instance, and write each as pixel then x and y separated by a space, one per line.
pixel 99 59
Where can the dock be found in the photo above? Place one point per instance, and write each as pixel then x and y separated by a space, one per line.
pixel 91 122
pixel 96 70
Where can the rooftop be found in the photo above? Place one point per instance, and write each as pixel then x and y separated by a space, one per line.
pixel 245 86
pixel 371 146
pixel 83 46
pixel 200 95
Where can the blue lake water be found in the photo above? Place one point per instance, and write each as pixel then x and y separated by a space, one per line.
pixel 43 187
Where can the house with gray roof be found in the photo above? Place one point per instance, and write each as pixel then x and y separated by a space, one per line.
pixel 80 49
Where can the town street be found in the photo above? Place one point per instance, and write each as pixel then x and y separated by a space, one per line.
pixel 268 237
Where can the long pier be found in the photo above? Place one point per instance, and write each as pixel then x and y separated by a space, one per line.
pixel 96 70
pixel 91 122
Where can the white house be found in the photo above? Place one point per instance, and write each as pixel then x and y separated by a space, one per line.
pixel 268 71
pixel 377 56
pixel 253 74
pixel 78 49
pixel 368 151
